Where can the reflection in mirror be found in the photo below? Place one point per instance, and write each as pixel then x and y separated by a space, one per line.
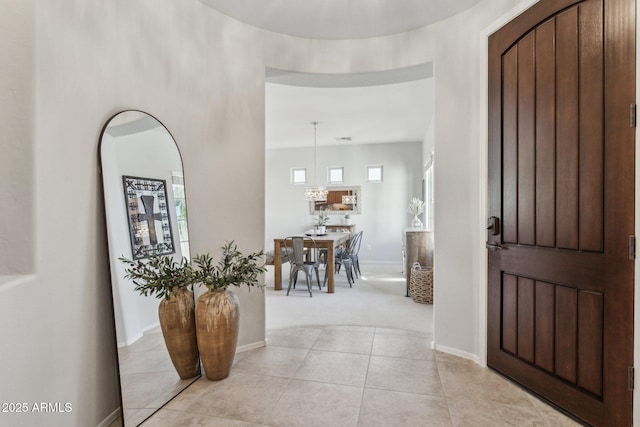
pixel 135 144
pixel 340 201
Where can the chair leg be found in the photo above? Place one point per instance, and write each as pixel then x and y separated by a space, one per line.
pixel 348 272
pixel 306 272
pixel 326 272
pixel 290 282
pixel 354 264
pixel 318 277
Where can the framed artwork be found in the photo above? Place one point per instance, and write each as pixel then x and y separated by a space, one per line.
pixel 148 215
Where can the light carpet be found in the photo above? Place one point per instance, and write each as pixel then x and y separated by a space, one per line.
pixel 377 299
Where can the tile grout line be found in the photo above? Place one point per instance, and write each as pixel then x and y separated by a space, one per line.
pixel 364 385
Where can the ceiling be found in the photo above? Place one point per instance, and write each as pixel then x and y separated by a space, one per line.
pixel 392 106
pixel 339 19
pixel 368 108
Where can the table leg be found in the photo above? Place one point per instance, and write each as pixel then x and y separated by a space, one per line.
pixel 330 269
pixel 277 267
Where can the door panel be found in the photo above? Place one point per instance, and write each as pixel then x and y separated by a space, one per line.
pixel 561 79
pixel 545 135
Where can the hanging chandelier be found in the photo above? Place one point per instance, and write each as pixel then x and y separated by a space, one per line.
pixel 315 193
pixel 349 199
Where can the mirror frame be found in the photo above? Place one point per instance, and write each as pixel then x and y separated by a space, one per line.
pixel 357 208
pixel 110 260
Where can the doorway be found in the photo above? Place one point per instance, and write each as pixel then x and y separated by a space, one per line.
pixel 363 144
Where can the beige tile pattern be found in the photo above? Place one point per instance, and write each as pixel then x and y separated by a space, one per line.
pixel 404 346
pixel 293 337
pixel 308 404
pixel 270 360
pixel 354 376
pixel 391 408
pixel 333 367
pixel 345 341
pixel 412 376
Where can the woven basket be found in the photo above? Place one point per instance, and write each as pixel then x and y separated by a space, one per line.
pixel 421 284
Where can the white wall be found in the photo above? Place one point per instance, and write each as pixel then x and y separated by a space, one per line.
pixel 16 126
pixel 384 205
pixel 202 75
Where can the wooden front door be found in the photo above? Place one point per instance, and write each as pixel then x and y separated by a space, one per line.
pixel 561 190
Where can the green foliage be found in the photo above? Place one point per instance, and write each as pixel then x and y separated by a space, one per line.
pixel 232 269
pixel 158 275
pixel 323 218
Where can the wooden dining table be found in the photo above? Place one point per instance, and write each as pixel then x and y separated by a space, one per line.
pixel 329 242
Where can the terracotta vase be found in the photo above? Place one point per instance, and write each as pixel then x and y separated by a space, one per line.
pixel 217 319
pixel 177 321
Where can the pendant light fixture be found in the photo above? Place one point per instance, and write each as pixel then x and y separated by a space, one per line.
pixel 315 193
pixel 349 199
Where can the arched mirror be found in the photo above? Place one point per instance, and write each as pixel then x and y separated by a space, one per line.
pixel 146 213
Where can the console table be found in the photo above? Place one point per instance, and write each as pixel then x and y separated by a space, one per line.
pixel 340 227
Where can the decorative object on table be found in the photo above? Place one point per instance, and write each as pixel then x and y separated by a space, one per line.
pixel 163 277
pixel 347 219
pixel 148 215
pixel 217 314
pixel 315 193
pixel 416 207
pixel 421 284
pixel 323 219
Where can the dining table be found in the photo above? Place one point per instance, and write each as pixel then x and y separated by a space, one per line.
pixel 330 242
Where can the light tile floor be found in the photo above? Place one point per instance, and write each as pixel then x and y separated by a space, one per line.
pixel 354 376
pixel 147 377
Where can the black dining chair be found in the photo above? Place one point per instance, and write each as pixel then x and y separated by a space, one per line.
pixel 294 248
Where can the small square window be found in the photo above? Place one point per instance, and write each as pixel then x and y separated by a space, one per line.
pixel 336 175
pixel 298 176
pixel 374 173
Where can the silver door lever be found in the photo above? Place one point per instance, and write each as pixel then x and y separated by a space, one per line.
pixel 494 246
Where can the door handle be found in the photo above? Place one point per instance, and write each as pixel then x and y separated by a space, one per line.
pixel 494 246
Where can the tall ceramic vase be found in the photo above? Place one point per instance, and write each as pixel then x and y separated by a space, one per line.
pixel 217 318
pixel 177 321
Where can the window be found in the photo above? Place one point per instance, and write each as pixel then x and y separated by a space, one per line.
pixel 374 173
pixel 336 175
pixel 180 200
pixel 298 176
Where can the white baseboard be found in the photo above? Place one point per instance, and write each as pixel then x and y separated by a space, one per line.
pixel 130 340
pixel 454 351
pixel 251 346
pixel 111 418
pixel 138 335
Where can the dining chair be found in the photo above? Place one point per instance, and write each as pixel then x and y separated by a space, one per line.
pixel 343 257
pixel 354 254
pixel 295 251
